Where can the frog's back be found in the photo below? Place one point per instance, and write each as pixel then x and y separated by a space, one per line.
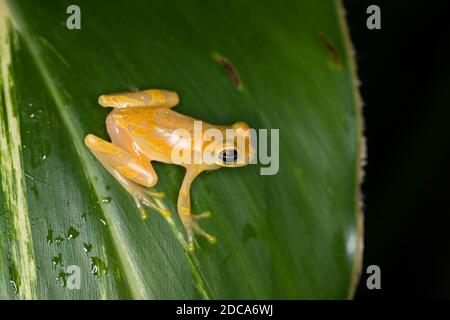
pixel 152 129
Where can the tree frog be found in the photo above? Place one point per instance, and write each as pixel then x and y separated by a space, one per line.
pixel 143 128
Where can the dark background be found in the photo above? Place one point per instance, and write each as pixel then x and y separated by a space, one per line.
pixel 405 73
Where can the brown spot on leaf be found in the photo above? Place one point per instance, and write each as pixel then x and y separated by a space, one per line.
pixel 230 69
pixel 331 49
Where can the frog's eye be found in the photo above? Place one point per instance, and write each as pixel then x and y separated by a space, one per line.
pixel 228 156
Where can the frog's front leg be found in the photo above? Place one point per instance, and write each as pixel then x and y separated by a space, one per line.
pixel 184 209
pixel 133 174
pixel 155 98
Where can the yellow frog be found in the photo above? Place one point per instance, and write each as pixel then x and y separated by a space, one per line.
pixel 143 128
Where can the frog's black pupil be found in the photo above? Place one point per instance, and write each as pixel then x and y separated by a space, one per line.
pixel 228 156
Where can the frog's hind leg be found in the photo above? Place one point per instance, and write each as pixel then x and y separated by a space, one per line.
pixel 153 98
pixel 134 175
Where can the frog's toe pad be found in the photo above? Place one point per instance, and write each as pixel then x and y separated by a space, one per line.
pixel 203 215
pixel 197 229
pixel 155 194
pixel 194 228
pixel 146 198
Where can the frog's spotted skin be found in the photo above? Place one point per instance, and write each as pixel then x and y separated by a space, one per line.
pixel 142 129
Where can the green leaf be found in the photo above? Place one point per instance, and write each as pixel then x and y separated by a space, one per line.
pixel 282 65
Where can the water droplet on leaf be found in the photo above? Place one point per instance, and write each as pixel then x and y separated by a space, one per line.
pixel 98 267
pixel 50 236
pixel 57 260
pixel 59 239
pixel 106 199
pixel 72 233
pixel 62 278
pixel 87 247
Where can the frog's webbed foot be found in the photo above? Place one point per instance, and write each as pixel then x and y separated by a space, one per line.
pixel 143 197
pixel 192 227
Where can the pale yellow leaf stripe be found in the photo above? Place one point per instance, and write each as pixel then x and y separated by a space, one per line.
pixel 12 174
